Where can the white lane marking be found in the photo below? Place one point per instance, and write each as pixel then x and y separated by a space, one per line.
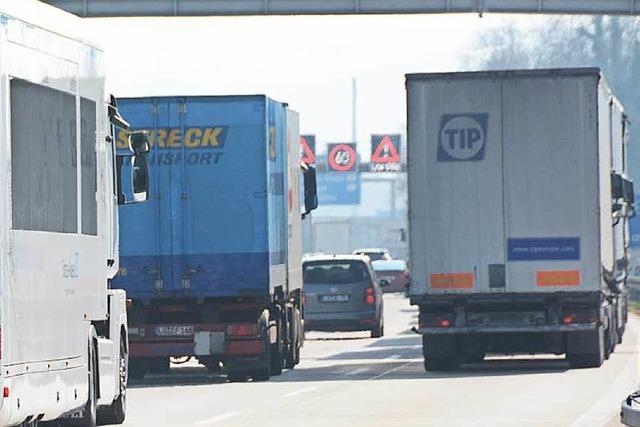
pixel 299 392
pixel 390 371
pixel 394 356
pixel 607 407
pixel 218 418
pixel 357 371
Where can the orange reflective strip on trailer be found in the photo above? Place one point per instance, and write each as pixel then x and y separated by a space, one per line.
pixel 558 278
pixel 452 281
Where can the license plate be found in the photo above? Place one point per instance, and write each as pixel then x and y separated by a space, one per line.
pixel 175 331
pixel 334 298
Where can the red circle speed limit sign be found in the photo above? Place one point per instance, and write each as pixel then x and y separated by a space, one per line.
pixel 342 157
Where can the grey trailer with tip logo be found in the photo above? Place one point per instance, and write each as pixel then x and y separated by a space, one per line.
pixel 519 203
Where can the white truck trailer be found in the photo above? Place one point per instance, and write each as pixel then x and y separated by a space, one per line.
pixel 519 207
pixel 63 349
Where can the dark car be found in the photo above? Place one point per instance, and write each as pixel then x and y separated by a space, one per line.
pixel 342 294
pixel 374 254
pixel 394 271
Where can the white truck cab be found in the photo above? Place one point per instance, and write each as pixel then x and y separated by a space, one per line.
pixel 63 347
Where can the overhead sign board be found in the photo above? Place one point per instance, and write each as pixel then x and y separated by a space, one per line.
pixel 308 148
pixel 385 153
pixel 342 157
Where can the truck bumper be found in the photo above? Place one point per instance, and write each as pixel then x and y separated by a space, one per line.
pixel 630 410
pixel 469 330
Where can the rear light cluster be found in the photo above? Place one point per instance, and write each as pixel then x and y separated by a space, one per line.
pixel 370 296
pixel 242 330
pixel 579 316
pixel 436 320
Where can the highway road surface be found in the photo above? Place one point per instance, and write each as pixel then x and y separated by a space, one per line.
pixel 348 379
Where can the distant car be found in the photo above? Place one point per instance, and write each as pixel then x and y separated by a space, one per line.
pixel 394 271
pixel 342 294
pixel 375 254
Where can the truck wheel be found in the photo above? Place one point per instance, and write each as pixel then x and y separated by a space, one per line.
pixel 290 357
pixel 261 374
pixel 276 358
pixel 593 359
pixel 378 331
pixel 137 368
pixel 159 365
pixel 90 410
pixel 116 412
pixel 441 364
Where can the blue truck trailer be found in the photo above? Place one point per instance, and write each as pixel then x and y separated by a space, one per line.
pixel 214 271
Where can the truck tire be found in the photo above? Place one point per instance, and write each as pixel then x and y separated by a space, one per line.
pixel 592 359
pixel 292 352
pixel 159 365
pixel 90 411
pixel 117 411
pixel 276 356
pixel 440 353
pixel 441 364
pixel 137 368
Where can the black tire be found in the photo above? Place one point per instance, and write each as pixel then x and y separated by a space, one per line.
pixel 276 358
pixel 378 331
pixel 137 368
pixel 261 375
pixel 159 365
pixel 117 411
pixel 237 376
pixel 593 359
pixel 289 359
pixel 441 364
pixel 213 366
pixel 90 410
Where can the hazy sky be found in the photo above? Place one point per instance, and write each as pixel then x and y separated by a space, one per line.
pixel 306 61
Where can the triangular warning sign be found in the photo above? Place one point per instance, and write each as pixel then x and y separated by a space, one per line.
pixel 386 152
pixel 308 156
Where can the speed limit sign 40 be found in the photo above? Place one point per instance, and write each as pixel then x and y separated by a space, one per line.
pixel 342 157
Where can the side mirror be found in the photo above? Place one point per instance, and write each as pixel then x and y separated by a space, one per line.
pixel 140 178
pixel 617 191
pixel 114 116
pixel 627 191
pixel 384 283
pixel 139 142
pixel 310 188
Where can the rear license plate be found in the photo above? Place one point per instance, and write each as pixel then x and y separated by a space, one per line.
pixel 334 298
pixel 175 331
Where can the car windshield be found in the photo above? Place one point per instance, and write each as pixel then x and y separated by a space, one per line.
pixel 389 265
pixel 335 272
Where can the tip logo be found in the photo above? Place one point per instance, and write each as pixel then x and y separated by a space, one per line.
pixel 462 137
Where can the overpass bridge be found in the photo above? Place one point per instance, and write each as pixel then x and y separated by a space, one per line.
pixel 119 8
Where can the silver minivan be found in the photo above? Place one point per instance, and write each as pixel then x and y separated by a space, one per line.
pixel 342 294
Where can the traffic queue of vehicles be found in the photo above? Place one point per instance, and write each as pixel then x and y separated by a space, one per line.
pixel 512 249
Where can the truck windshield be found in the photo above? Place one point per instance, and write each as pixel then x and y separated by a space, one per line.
pixel 335 272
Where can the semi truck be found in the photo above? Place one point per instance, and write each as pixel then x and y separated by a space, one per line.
pixel 214 271
pixel 519 208
pixel 63 328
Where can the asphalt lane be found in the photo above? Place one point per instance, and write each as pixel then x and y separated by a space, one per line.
pixel 349 379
